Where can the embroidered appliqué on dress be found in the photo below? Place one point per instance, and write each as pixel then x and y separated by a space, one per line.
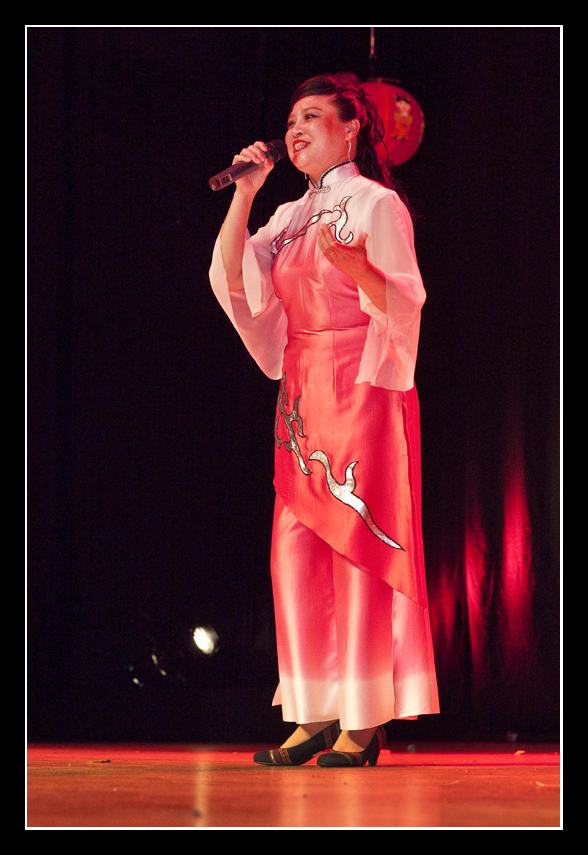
pixel 289 418
pixel 339 224
pixel 343 492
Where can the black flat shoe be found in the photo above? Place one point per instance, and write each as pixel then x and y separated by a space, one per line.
pixel 356 758
pixel 299 754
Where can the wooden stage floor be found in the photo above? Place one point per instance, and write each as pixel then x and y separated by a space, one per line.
pixel 452 786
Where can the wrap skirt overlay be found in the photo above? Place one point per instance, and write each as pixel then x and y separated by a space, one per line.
pixel 352 621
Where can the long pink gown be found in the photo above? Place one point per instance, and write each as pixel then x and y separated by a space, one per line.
pixel 352 621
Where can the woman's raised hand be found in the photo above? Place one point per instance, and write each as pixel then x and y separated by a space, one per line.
pixel 349 258
pixel 250 184
pixel 353 260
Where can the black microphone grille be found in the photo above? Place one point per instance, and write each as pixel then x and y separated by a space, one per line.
pixel 277 149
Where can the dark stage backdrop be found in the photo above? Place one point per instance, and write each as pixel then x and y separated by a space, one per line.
pixel 151 430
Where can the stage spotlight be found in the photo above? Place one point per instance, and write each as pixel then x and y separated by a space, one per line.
pixel 206 640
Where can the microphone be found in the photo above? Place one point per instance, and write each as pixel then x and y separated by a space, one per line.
pixel 277 150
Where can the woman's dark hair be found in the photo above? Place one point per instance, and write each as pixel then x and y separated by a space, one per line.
pixel 353 102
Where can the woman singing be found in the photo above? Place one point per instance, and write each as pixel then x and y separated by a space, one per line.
pixel 327 299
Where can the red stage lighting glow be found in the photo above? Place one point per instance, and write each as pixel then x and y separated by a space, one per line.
pixel 517 581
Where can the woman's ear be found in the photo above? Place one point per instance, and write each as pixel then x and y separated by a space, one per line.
pixel 353 128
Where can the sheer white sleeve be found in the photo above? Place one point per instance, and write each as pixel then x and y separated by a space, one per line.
pixel 256 313
pixel 390 351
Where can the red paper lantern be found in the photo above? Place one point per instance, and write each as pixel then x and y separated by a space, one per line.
pixel 403 119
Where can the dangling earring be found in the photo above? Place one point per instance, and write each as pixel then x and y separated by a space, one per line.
pixel 349 151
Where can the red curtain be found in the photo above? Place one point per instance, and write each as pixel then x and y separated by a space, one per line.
pixel 493 612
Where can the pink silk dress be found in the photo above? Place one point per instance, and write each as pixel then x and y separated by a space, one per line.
pixel 352 620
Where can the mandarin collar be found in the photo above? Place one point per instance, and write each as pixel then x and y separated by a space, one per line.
pixel 347 169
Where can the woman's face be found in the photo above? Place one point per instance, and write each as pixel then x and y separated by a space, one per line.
pixel 316 137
